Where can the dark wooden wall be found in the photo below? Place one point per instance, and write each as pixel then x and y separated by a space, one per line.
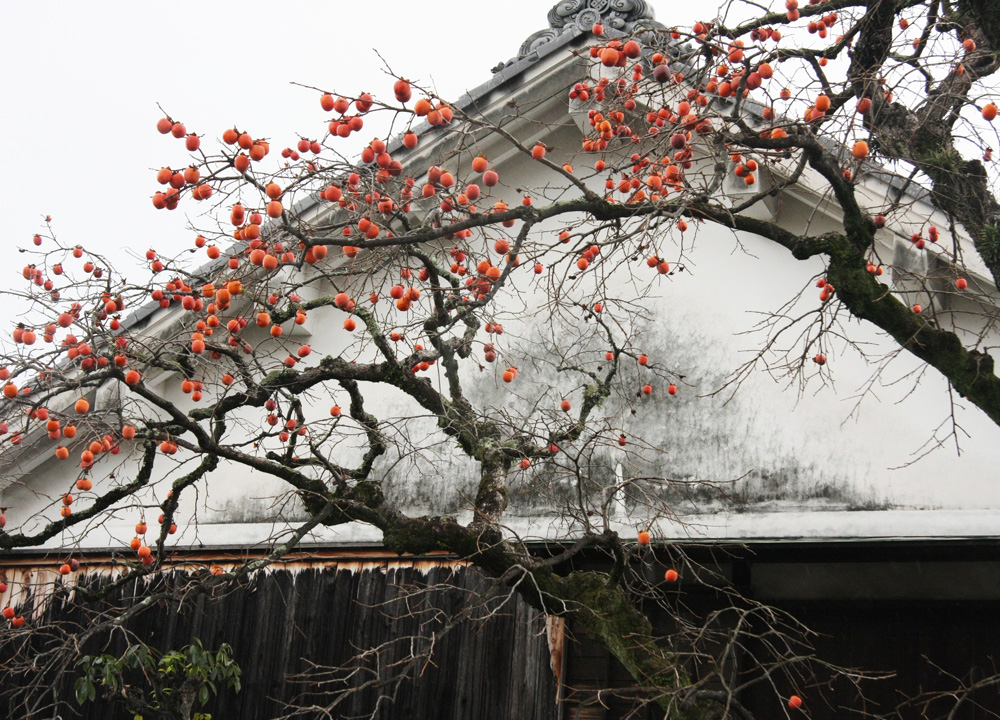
pixel 923 615
pixel 285 621
pixel 926 651
pixel 929 616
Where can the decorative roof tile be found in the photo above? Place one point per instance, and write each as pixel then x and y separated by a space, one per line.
pixel 579 16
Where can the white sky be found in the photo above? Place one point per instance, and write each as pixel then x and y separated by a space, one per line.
pixel 82 82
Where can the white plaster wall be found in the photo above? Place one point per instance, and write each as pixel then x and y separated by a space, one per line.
pixel 862 448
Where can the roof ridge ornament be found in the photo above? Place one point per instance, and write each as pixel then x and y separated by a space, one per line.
pixel 617 14
pixel 581 15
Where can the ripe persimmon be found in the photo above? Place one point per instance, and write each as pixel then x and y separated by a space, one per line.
pixel 402 91
pixel 422 107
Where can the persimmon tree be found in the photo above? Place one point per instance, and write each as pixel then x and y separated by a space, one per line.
pixel 418 271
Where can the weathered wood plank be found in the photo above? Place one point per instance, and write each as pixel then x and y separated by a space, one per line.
pixel 280 622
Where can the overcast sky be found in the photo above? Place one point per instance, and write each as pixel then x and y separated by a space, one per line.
pixel 82 82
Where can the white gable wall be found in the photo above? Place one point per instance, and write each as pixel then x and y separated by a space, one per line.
pixel 831 453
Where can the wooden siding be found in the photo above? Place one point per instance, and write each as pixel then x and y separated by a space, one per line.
pixel 921 611
pixel 285 620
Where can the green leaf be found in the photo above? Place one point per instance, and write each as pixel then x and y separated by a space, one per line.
pixel 80 686
pixel 203 695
